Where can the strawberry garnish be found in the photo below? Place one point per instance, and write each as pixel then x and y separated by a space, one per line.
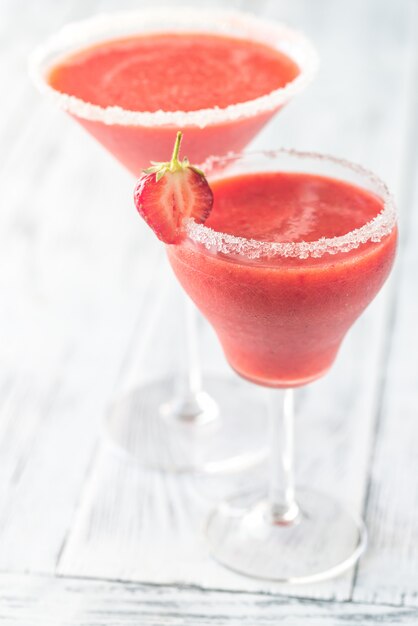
pixel 169 193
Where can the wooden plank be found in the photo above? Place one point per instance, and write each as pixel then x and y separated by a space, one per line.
pixel 391 571
pixel 67 310
pixel 148 527
pixel 67 307
pixel 75 602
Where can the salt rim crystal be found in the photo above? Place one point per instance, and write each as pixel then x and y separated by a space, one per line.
pixel 244 25
pixel 374 230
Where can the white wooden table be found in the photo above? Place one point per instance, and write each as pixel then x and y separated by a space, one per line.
pixel 87 538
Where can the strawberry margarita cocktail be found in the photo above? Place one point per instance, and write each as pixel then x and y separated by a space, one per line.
pixel 281 251
pixel 282 307
pixel 132 79
pixel 207 72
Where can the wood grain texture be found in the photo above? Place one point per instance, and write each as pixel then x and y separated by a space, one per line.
pixel 84 300
pixel 67 312
pixel 45 601
pixel 391 572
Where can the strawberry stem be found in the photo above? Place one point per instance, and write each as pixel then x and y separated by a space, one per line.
pixel 174 159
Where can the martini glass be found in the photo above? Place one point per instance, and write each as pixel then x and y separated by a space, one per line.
pixel 282 311
pixel 190 427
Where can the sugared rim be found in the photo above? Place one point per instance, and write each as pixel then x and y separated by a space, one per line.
pixel 224 243
pixel 292 43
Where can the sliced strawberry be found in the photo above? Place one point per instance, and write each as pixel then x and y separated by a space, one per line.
pixel 168 193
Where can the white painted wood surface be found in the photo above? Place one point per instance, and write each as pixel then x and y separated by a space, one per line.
pixel 84 291
pixel 47 601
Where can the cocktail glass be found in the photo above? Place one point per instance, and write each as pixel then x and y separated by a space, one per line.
pixel 282 311
pixel 193 430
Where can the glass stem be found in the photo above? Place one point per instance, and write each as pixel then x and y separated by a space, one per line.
pixel 193 373
pixel 190 404
pixel 283 508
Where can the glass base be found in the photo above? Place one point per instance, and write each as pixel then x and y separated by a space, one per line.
pixel 322 542
pixel 222 429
